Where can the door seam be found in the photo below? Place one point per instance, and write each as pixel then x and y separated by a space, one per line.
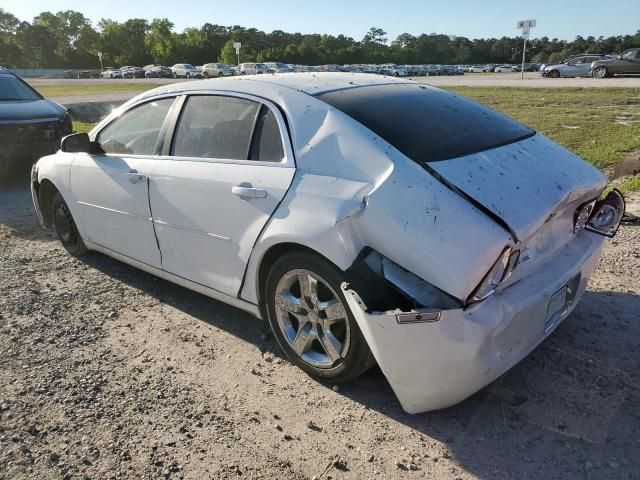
pixel 153 224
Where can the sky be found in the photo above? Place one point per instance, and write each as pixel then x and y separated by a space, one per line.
pixel 563 19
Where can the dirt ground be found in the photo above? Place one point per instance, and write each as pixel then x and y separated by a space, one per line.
pixel 109 373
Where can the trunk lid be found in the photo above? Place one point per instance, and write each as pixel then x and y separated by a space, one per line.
pixel 526 184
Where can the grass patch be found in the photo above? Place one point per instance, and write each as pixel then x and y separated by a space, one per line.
pixel 601 125
pixel 94 89
pixel 627 184
pixel 82 127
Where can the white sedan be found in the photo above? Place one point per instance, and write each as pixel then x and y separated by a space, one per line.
pixel 368 219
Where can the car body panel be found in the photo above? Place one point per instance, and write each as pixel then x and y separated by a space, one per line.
pixel 195 211
pixel 524 182
pixel 433 365
pixel 112 206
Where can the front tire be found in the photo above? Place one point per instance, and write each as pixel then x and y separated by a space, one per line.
pixel 600 72
pixel 188 76
pixel 311 320
pixel 66 227
pixel 554 74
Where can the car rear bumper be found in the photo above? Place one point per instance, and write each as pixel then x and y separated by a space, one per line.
pixel 437 364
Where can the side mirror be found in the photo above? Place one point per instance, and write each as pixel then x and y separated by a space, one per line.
pixel 79 143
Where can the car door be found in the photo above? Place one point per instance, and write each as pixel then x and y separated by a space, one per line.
pixel 633 62
pixel 111 189
pixel 226 169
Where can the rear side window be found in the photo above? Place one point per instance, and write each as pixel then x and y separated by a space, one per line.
pixel 425 123
pixel 267 142
pixel 136 131
pixel 215 127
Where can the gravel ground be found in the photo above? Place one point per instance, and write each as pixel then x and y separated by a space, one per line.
pixel 109 373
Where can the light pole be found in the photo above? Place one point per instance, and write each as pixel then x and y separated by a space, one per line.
pixel 100 57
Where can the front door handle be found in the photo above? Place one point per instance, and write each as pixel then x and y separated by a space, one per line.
pixel 245 190
pixel 134 176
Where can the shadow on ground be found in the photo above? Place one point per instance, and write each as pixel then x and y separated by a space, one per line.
pixel 583 406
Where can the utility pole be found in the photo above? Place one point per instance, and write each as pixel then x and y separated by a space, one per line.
pixel 525 26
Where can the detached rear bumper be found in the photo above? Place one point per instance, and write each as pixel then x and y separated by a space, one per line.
pixel 438 364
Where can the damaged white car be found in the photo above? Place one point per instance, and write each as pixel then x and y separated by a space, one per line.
pixel 368 219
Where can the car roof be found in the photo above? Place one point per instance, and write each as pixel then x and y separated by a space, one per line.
pixel 309 83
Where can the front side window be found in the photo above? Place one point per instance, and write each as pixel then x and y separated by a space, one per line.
pixel 136 131
pixel 215 127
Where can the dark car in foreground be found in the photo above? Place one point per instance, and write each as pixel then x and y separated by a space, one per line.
pixel 30 126
pixel 626 64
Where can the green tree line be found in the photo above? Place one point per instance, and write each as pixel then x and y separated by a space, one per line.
pixel 68 39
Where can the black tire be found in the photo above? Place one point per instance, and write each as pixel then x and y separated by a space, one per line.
pixel 206 75
pixel 187 76
pixel 554 74
pixel 66 228
pixel 358 358
pixel 175 75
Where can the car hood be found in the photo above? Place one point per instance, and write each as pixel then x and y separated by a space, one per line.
pixel 523 183
pixel 30 110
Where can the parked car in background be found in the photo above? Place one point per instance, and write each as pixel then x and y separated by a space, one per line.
pixel 158 71
pixel 626 64
pixel 278 67
pixel 30 126
pixel 111 72
pixel 392 69
pixel 216 70
pixel 81 74
pixel 351 254
pixel 503 69
pixel 185 70
pixel 478 69
pixel 575 66
pixel 134 72
pixel 253 68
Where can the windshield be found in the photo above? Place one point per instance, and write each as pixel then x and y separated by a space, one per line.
pixel 425 123
pixel 12 88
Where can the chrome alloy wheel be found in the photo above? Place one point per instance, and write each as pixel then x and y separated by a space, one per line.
pixel 312 318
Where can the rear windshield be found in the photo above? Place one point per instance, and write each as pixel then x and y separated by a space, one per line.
pixel 12 88
pixel 425 123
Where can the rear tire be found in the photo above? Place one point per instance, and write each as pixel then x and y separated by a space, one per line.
pixel 326 343
pixel 66 228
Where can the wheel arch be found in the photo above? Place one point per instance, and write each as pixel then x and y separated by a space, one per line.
pixel 46 190
pixel 268 259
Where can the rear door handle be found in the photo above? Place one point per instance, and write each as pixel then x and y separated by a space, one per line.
pixel 246 190
pixel 134 176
